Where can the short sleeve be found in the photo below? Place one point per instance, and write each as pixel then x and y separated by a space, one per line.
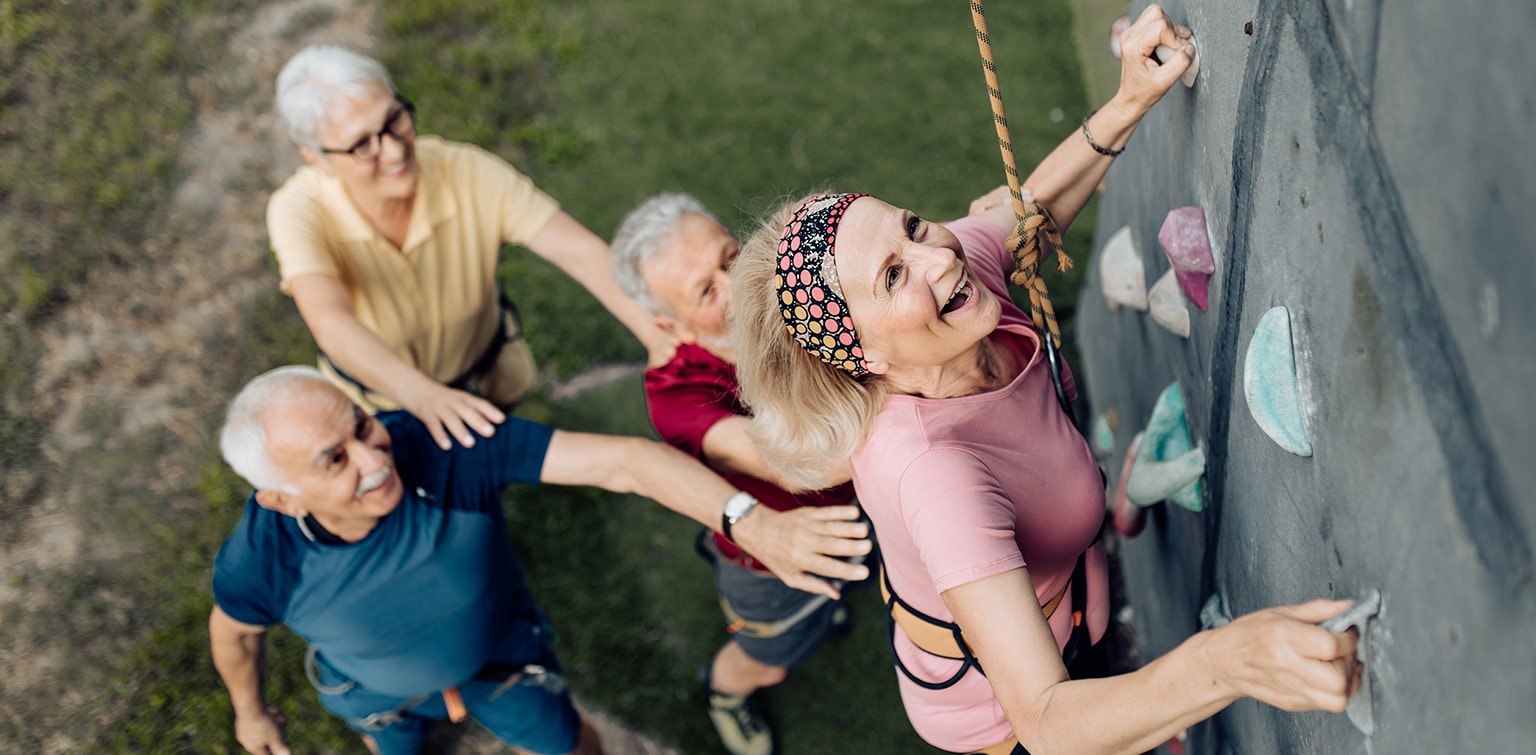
pixel 253 575
pixel 523 208
pixel 297 231
pixel 683 412
pixel 469 478
pixel 960 519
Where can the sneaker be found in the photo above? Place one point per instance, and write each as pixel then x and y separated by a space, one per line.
pixel 742 730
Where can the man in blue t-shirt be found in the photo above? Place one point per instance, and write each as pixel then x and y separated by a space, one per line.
pixel 390 556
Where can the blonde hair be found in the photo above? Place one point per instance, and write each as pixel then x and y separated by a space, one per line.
pixel 807 417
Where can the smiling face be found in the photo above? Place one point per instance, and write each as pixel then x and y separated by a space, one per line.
pixel 690 275
pixel 352 120
pixel 915 304
pixel 337 460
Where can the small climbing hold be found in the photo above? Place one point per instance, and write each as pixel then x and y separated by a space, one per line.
pixel 1361 709
pixel 1164 52
pixel 1215 613
pixel 1152 480
pixel 1270 383
pixel 1103 436
pixel 1184 239
pixel 1167 305
pixel 1167 466
pixel 1121 274
pixel 1129 519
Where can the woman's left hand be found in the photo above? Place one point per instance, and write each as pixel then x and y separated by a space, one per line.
pixel 997 206
pixel 1143 80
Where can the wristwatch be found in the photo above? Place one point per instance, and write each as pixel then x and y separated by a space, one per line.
pixel 736 507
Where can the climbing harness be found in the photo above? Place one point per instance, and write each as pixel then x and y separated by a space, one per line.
pixel 504 335
pixel 738 624
pixel 1035 235
pixel 510 675
pixel 945 638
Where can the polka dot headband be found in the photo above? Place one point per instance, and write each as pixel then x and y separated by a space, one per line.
pixel 814 313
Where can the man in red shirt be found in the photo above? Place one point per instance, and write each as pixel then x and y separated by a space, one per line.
pixel 671 255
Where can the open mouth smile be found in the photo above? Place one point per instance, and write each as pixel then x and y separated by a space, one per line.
pixel 959 296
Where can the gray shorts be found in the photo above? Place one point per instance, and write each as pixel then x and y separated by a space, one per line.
pixel 761 597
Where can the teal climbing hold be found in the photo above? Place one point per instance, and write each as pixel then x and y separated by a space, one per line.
pixel 1168 466
pixel 1103 436
pixel 1270 385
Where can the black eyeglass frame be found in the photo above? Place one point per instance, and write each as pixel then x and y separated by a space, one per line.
pixel 407 107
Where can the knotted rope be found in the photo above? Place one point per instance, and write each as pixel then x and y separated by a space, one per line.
pixel 1035 235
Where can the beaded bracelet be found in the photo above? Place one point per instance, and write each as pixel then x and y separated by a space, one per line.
pixel 1107 152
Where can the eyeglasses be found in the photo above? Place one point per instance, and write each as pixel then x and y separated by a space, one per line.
pixel 401 124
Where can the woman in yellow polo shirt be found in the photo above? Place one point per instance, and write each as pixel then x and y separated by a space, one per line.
pixel 388 242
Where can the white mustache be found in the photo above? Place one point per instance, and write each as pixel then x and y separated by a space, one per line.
pixel 373 481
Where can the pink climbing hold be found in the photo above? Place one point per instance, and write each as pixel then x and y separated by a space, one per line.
pixel 1129 518
pixel 1184 239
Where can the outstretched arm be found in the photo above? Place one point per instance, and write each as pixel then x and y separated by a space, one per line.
pixel 729 448
pixel 581 254
pixel 801 547
pixel 326 307
pixel 1066 179
pixel 1278 656
pixel 237 654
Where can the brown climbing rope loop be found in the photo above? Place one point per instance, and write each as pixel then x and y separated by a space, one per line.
pixel 1035 235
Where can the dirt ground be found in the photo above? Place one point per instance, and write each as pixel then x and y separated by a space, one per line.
pixel 142 363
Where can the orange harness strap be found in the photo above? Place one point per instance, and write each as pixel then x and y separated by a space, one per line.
pixel 936 637
pixel 455 704
pixel 1003 748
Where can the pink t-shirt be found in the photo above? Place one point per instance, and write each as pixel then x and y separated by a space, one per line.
pixel 960 489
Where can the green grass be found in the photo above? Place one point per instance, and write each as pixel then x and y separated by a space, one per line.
pixel 742 104
pixel 603 102
pixel 90 117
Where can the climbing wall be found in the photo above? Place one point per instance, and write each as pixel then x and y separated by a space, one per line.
pixel 1355 360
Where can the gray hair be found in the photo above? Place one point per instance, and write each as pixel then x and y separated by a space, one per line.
pixel 643 233
pixel 313 78
pixel 243 439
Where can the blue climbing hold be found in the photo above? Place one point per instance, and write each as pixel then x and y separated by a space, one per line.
pixel 1168 466
pixel 1270 385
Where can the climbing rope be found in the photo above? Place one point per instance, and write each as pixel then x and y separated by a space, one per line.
pixel 1035 235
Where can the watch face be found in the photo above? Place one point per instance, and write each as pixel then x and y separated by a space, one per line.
pixel 738 505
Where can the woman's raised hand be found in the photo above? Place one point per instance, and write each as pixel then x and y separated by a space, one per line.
pixel 1143 80
pixel 1282 657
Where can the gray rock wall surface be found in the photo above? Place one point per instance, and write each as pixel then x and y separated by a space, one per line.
pixel 1369 166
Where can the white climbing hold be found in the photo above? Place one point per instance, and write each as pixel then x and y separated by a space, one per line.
pixel 1270 383
pixel 1361 708
pixel 1152 481
pixel 1164 52
pixel 1121 274
pixel 1167 304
